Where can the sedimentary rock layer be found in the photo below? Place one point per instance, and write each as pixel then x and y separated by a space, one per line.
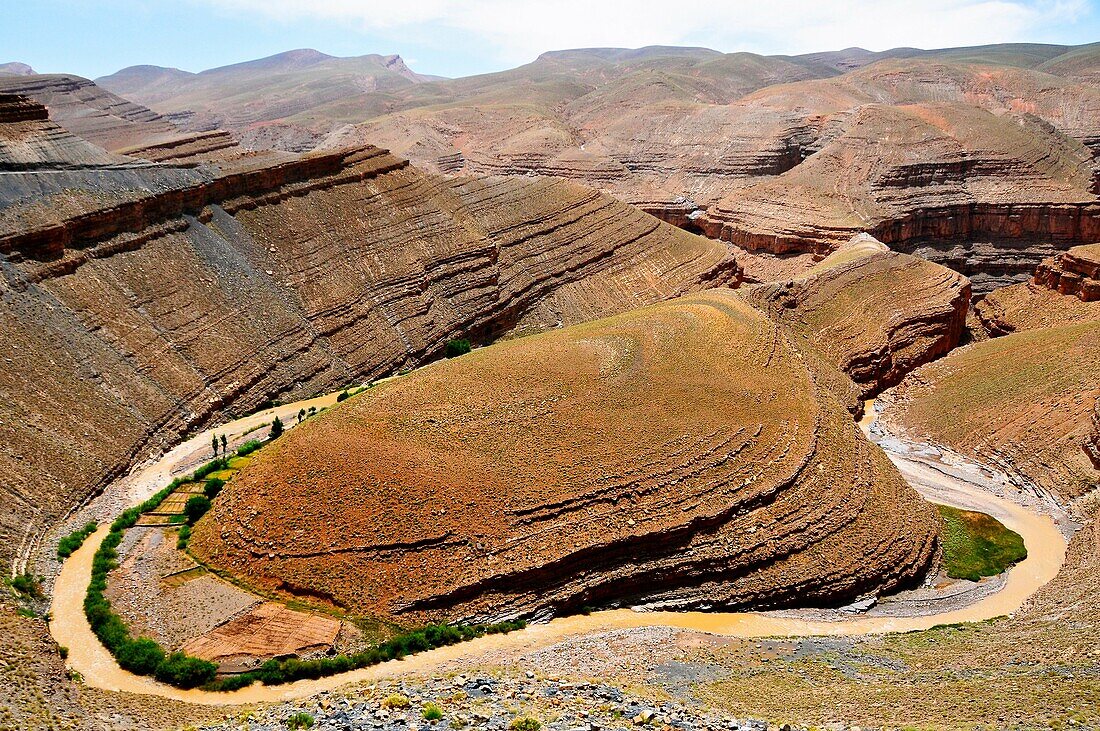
pixel 1024 403
pixel 30 141
pixel 1092 444
pixel 683 454
pixel 1075 272
pixel 113 123
pixel 134 315
pixel 873 313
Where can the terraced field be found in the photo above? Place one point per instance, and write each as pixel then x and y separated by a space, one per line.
pixel 683 455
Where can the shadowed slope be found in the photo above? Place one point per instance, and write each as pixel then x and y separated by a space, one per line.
pixel 681 454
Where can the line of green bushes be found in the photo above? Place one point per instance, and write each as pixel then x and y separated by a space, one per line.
pixel 70 543
pixel 249 447
pixel 141 655
pixel 144 656
pixel 277 672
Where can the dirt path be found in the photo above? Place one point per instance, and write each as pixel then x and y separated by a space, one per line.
pixel 1045 544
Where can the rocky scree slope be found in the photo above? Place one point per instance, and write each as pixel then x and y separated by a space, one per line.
pixel 139 305
pixel 873 313
pixel 682 455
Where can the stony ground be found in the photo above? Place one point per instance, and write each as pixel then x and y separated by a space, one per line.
pixel 485 701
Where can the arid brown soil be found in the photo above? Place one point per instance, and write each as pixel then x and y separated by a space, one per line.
pixel 683 454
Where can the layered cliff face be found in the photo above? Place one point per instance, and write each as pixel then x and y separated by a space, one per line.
pixel 1060 293
pixel 989 196
pixel 682 454
pixel 113 123
pixel 1024 403
pixel 873 313
pixel 30 141
pixel 158 299
pixel 987 169
pixel 1075 272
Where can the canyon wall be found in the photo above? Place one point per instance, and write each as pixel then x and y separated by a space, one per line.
pixel 1075 272
pixel 873 313
pixel 168 297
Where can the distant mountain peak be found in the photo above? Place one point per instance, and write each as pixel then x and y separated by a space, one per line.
pixel 15 68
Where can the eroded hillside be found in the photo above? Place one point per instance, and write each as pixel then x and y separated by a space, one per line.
pixel 873 313
pixel 684 454
pixel 141 303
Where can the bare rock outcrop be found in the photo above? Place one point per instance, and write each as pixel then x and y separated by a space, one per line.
pixel 30 141
pixel 169 296
pixel 113 123
pixel 873 313
pixel 1092 444
pixel 1075 272
pixel 683 455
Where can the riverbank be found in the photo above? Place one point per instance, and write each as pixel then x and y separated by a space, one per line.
pixel 1045 543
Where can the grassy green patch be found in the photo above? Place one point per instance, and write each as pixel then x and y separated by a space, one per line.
pixel 977 545
pixel 74 540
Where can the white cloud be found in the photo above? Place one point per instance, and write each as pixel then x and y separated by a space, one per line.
pixel 516 30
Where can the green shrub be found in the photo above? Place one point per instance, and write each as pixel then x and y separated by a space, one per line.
pixel 141 656
pixel 213 486
pixel 196 507
pixel 249 447
pixel 68 545
pixel 213 466
pixel 276 428
pixel 431 712
pixel 28 585
pixel 300 720
pixel 63 651
pixel 184 671
pixel 183 537
pixel 525 723
pixel 455 348
pixel 342 396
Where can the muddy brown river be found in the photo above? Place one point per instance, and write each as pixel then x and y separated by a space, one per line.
pixel 1045 546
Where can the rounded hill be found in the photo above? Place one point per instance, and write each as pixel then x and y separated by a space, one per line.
pixel 679 455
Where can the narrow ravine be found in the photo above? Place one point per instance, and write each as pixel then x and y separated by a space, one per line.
pixel 1045 545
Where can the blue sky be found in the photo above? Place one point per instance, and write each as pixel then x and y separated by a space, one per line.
pixel 454 38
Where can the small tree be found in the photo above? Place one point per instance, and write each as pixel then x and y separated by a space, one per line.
pixel 225 446
pixel 276 428
pixel 214 444
pixel 195 507
pixel 301 415
pixel 456 348
pixel 213 486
